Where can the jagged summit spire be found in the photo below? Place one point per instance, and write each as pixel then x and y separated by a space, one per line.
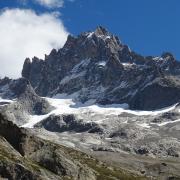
pixel 168 55
pixel 101 31
pixel 98 32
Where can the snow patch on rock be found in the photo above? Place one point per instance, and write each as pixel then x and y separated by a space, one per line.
pixel 67 104
pixel 102 63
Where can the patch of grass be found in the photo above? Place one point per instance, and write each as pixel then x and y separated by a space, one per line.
pixel 102 171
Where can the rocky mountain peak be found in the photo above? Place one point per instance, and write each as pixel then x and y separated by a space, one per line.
pixel 101 31
pixel 71 40
pixel 98 45
pixel 96 65
pixel 168 56
pixel 102 34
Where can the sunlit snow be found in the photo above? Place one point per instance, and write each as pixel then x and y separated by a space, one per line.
pixel 102 63
pixel 168 122
pixel 67 104
pixel 5 101
pixel 145 125
pixel 90 34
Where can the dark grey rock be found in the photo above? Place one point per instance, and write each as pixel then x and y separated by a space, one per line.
pixel 62 123
pixel 25 100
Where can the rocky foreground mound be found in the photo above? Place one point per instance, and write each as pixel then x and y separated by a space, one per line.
pixel 25 156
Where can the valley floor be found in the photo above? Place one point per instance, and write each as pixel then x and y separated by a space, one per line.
pixel 144 142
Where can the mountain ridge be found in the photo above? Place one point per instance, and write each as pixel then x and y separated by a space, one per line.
pixel 98 66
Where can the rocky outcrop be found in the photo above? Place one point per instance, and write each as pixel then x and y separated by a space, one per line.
pixel 158 92
pixel 98 66
pixel 14 166
pixel 45 154
pixel 63 123
pixel 24 100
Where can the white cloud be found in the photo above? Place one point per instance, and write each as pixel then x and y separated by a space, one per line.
pixel 51 3
pixel 23 34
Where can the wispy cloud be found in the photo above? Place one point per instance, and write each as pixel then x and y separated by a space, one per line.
pixel 24 33
pixel 51 3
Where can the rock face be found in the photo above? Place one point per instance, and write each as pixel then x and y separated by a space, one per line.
pixel 98 66
pixel 23 100
pixel 25 156
pixel 42 153
pixel 64 123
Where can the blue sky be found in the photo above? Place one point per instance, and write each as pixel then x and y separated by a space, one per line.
pixel 149 27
